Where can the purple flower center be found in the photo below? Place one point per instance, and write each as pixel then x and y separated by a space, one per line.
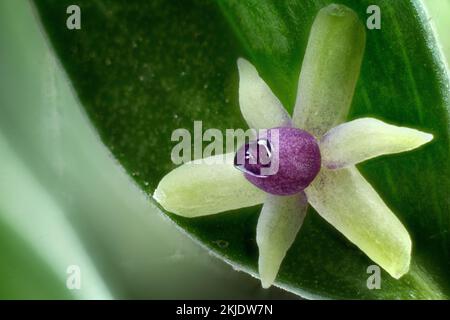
pixel 282 161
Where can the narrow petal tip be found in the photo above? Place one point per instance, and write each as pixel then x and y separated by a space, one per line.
pixel 243 63
pixel 267 275
pixel 417 137
pixel 401 268
pixel 158 195
pixel 365 138
pixel 163 199
pixel 420 138
pixel 278 225
pixel 266 285
pixel 427 137
pixel 259 106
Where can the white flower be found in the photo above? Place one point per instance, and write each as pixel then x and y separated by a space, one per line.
pixel 339 193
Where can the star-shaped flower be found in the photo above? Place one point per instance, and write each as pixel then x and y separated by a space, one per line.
pixel 316 152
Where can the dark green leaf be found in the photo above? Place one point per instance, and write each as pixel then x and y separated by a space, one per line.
pixel 145 68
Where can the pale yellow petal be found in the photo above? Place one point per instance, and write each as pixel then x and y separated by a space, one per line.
pixel 330 69
pixel 278 225
pixel 358 140
pixel 348 202
pixel 206 187
pixel 259 106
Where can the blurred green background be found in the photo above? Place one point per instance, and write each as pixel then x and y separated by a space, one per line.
pixel 65 201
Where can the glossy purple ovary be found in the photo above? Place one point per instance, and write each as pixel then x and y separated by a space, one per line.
pixel 294 160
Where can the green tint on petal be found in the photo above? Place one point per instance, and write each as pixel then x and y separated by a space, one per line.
pixel 206 186
pixel 259 106
pixel 278 225
pixel 358 140
pixel 348 202
pixel 330 69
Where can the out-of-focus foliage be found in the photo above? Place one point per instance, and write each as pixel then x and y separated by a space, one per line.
pixel 65 201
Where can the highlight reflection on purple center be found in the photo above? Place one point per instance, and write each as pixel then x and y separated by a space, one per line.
pixel 254 157
pixel 282 162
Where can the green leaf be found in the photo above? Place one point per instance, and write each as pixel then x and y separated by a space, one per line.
pixel 143 69
pixel 58 181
